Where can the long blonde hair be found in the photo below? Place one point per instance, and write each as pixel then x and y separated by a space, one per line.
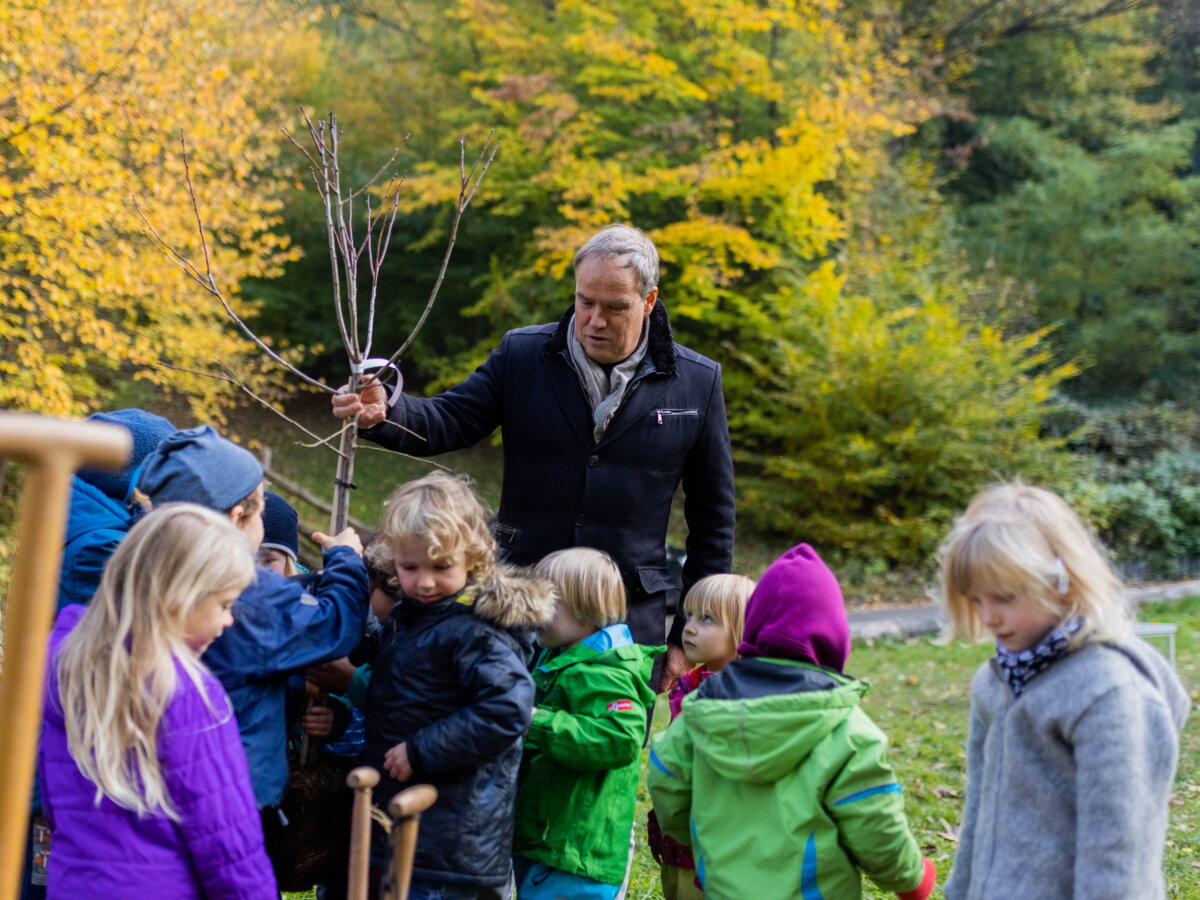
pixel 1024 540
pixel 116 669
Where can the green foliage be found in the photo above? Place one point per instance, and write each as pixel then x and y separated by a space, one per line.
pixel 1076 174
pixel 1110 239
pixel 1139 486
pixel 874 405
pixel 874 436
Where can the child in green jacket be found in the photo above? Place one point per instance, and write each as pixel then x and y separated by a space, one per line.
pixel 579 774
pixel 773 773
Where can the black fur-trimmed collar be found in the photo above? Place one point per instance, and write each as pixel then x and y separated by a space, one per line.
pixel 661 347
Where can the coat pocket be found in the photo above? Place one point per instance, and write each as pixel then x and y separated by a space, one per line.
pixel 506 535
pixel 667 416
pixel 654 579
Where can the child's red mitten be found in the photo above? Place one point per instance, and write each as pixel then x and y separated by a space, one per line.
pixel 925 888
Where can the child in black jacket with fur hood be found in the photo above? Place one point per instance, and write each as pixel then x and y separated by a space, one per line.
pixel 450 694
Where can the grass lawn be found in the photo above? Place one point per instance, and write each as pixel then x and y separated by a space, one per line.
pixel 919 698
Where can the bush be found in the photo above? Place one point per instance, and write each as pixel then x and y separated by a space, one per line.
pixel 869 427
pixel 1141 490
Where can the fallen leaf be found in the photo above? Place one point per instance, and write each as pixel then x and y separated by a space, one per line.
pixel 949 832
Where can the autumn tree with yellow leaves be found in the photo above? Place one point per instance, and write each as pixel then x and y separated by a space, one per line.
pixel 94 99
pixel 753 140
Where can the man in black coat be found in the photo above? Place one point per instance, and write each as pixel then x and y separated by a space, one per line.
pixel 603 417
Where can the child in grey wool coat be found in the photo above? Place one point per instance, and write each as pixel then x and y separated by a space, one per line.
pixel 1074 732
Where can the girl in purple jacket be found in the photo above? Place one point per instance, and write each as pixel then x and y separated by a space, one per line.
pixel 144 780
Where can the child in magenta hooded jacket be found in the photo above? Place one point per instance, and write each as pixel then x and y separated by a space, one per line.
pixel 773 773
pixel 144 780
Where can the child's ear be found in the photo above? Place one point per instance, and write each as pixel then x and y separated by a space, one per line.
pixel 237 513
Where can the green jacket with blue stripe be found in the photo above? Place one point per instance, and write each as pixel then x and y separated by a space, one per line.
pixel 780 783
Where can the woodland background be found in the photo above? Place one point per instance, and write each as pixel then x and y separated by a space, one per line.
pixel 933 243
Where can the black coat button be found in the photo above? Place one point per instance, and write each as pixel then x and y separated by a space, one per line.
pixel 579 519
pixel 593 460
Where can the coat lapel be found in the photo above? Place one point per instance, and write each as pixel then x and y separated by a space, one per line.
pixel 569 394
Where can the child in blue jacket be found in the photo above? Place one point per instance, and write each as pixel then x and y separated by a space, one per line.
pixel 279 628
pixel 102 509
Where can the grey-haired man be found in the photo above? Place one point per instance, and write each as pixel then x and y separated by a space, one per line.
pixel 603 418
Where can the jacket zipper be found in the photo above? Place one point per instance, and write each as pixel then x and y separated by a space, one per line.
pixel 675 412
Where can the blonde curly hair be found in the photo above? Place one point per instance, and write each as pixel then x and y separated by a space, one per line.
pixel 442 510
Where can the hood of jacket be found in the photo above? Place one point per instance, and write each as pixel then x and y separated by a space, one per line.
pixel 613 647
pixel 1154 668
pixel 757 720
pixel 511 598
pixel 92 509
pixel 796 612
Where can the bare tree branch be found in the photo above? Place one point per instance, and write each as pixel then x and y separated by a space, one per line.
pixel 345 256
pixel 466 192
pixel 385 241
pixel 207 281
pixel 237 382
pixel 423 459
pixel 323 168
pixel 374 178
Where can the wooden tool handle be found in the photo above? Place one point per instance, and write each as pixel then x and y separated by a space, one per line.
pixel 412 801
pixel 51 450
pixel 405 809
pixel 311 694
pixel 361 780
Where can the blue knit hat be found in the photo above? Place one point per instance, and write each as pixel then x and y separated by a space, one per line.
pixel 147 430
pixel 281 525
pixel 197 465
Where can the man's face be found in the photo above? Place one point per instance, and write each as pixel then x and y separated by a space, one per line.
pixel 609 311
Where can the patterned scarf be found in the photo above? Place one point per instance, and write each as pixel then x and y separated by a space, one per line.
pixel 1020 668
pixel 605 390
